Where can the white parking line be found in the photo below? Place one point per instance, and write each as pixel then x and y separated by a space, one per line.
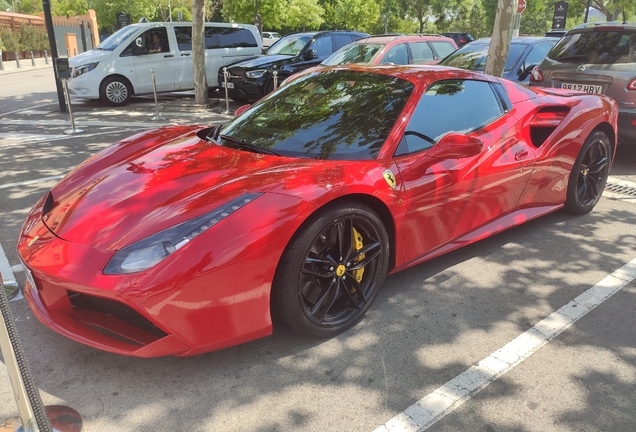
pixel 445 399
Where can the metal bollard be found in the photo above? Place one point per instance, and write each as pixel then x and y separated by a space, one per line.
pixel 74 52
pixel 46 57
pixel 70 111
pixel 275 80
pixel 157 117
pixel 68 53
pixel 227 95
pixel 1 64
pixel 34 416
pixel 17 60
pixel 32 59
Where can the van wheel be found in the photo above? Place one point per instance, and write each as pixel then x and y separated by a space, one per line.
pixel 115 91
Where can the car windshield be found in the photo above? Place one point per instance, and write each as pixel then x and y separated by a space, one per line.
pixel 473 56
pixel 607 47
pixel 290 45
pixel 353 53
pixel 117 38
pixel 337 115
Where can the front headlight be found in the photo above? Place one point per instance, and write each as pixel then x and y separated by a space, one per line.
pixel 83 69
pixel 255 74
pixel 146 253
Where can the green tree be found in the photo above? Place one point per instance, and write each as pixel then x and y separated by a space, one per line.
pixel 68 8
pixel 304 14
pixel 10 40
pixel 106 11
pixel 358 14
pixel 272 12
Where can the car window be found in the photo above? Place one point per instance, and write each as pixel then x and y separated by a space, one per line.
pixel 339 116
pixel 443 48
pixel 184 38
pixel 353 53
pixel 421 52
pixel 149 46
pixel 449 106
pixel 396 55
pixel 608 47
pixel 473 56
pixel 289 45
pixel 235 37
pixel 322 45
pixel 117 38
pixel 536 54
pixel 341 40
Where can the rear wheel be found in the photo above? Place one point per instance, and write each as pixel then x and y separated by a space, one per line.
pixel 589 174
pixel 115 91
pixel 332 272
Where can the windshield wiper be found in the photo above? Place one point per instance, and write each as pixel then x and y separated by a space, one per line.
pixel 244 145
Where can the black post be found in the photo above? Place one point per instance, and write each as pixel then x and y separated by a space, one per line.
pixel 587 11
pixel 48 19
pixel 83 34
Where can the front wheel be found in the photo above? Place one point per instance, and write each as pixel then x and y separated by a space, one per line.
pixel 589 174
pixel 332 271
pixel 115 91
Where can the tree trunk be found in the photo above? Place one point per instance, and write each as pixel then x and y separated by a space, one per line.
pixel 501 35
pixel 198 52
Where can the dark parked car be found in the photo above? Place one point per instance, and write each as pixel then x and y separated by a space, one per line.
pixel 460 38
pixel 253 79
pixel 596 58
pixel 524 54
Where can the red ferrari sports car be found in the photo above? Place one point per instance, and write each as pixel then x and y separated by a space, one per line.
pixel 188 239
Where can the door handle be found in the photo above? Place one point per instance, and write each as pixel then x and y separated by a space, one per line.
pixel 185 54
pixel 522 154
pixel 168 55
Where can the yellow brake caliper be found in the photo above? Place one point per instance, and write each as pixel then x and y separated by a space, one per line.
pixel 357 246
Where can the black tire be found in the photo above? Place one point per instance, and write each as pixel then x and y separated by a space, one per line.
pixel 332 271
pixel 115 91
pixel 238 98
pixel 589 174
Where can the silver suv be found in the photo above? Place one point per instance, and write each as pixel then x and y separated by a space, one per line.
pixel 596 58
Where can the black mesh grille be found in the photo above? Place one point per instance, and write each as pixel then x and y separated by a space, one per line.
pixel 114 309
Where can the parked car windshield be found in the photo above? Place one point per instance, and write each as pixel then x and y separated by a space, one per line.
pixel 339 115
pixel 353 53
pixel 473 56
pixel 290 45
pixel 603 47
pixel 117 38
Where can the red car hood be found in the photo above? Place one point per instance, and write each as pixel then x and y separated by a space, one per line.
pixel 153 181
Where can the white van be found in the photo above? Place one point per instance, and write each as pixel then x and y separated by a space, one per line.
pixel 120 66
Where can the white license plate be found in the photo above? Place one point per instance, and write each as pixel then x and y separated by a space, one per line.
pixel 589 88
pixel 229 85
pixel 29 276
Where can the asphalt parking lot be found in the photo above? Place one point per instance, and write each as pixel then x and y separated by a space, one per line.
pixel 530 330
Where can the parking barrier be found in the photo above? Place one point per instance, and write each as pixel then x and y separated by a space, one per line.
pixel 34 417
pixel 32 59
pixel 74 130
pixel 17 60
pixel 157 117
pixel 227 95
pixel 46 57
pixel 275 80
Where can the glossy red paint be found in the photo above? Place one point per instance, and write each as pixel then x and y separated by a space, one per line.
pixel 214 292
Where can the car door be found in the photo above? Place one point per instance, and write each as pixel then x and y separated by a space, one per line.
pixel 447 198
pixel 165 64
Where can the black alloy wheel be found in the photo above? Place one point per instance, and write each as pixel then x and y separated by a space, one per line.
pixel 589 174
pixel 332 272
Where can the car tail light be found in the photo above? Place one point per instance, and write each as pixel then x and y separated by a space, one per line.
pixel 536 75
pixel 632 85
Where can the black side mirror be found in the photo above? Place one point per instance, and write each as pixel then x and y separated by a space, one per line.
pixel 310 55
pixel 523 74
